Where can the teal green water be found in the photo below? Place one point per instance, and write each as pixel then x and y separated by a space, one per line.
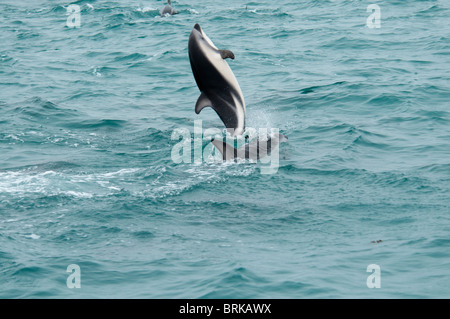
pixel 87 178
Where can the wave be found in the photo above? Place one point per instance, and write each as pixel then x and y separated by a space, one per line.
pixel 104 124
pixel 39 109
pixel 315 88
pixel 436 168
pixel 130 57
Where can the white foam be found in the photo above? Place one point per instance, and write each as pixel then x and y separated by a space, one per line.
pixel 121 172
pixel 11 220
pixel 33 236
pixel 14 137
pixel 259 119
pixel 78 194
pixel 146 9
pixel 54 183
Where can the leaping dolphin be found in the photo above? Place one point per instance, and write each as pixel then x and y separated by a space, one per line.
pixel 217 83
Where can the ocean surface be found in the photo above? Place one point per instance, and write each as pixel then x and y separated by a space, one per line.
pixel 87 175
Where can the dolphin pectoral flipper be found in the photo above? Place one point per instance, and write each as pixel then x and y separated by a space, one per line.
pixel 202 102
pixel 226 54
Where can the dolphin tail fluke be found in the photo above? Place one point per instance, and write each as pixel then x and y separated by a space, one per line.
pixel 202 102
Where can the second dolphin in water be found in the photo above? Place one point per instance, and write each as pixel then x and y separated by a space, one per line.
pixel 253 151
pixel 168 9
pixel 217 83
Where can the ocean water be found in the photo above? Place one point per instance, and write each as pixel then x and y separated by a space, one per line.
pixel 87 175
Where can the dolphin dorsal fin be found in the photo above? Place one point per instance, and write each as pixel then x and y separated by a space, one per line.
pixel 202 102
pixel 225 54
